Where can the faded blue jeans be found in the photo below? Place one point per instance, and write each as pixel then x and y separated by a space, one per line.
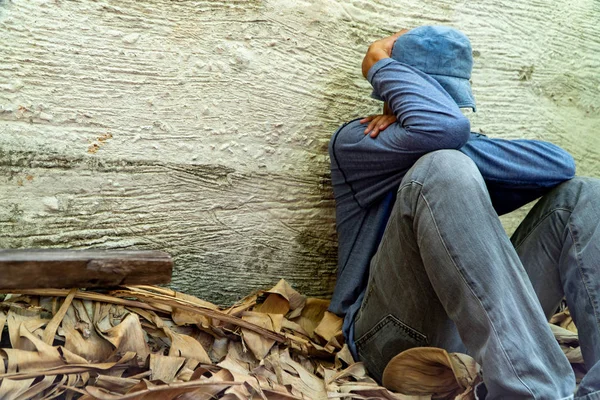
pixel 446 275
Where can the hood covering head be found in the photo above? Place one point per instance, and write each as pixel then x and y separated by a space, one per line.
pixel 443 53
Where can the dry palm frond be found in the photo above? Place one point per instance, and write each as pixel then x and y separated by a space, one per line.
pixel 146 342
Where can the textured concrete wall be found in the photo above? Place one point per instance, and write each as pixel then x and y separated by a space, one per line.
pixel 201 127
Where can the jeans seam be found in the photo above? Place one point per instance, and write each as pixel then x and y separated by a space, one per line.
pixel 582 273
pixel 369 291
pixel 539 222
pixel 410 183
pixel 474 294
pixel 387 319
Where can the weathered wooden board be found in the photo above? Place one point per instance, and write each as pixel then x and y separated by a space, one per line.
pixel 56 268
pixel 200 127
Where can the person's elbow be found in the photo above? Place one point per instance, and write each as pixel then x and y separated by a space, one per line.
pixel 454 132
pixel 568 167
pixel 449 132
pixel 561 163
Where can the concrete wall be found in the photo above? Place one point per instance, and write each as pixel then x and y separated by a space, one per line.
pixel 201 127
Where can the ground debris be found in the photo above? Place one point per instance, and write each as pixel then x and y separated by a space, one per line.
pixel 148 342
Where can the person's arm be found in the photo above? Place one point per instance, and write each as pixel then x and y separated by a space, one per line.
pixel 518 171
pixel 428 120
pixel 429 117
pixel 422 107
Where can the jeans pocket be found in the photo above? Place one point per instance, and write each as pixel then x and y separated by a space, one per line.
pixel 387 338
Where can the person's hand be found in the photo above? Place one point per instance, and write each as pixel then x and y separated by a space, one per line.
pixel 377 123
pixel 387 43
pixel 380 49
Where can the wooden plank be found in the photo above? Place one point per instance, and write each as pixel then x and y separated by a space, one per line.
pixel 57 268
pixel 230 233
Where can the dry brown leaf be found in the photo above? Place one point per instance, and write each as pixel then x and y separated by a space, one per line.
pixel 36 389
pixel 69 357
pixel 564 320
pixel 312 314
pixel 421 371
pixel 330 328
pixel 186 346
pixel 243 305
pixel 93 296
pixel 59 387
pixel 154 303
pixel 237 368
pixel 52 326
pixel 209 394
pixel 271 367
pixel 432 371
pixel 294 327
pixel 80 336
pixel 204 338
pixel 172 293
pixel 368 391
pixel 2 322
pixel 115 383
pixel 258 344
pixel 219 349
pixel 357 371
pixel 305 381
pixel 192 364
pixel 274 304
pixel 32 323
pixel 186 373
pixel 128 336
pixel 272 394
pixel 343 357
pixel 188 306
pixel 281 299
pixel 569 343
pixel 107 316
pixel 68 369
pixel 12 389
pixel 181 316
pixel 165 368
pixel 465 368
pixel 42 356
pixel 148 391
pixel 282 288
pixel 563 335
pixel 240 392
pixel 573 354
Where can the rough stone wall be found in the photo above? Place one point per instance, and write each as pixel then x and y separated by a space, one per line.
pixel 201 127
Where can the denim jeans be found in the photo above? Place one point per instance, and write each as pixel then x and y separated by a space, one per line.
pixel 446 275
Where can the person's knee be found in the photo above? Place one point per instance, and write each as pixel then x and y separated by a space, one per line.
pixel 445 167
pixel 586 185
pixel 452 159
pixel 580 195
pixel 580 189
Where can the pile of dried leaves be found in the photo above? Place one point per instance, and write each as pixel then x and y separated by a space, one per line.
pixel 146 342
